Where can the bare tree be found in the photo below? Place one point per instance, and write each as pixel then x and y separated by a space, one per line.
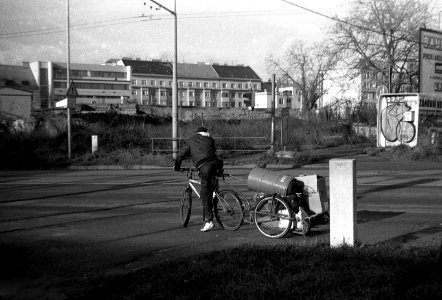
pixel 304 67
pixel 383 35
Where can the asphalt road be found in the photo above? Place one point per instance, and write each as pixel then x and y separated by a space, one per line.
pixel 60 228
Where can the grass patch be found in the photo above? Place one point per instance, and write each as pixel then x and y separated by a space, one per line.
pixel 127 158
pixel 418 153
pixel 284 272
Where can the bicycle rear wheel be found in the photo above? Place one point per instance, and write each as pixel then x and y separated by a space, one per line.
pixel 186 206
pixel 273 217
pixel 228 209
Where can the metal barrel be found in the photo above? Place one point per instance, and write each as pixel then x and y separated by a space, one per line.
pixel 270 182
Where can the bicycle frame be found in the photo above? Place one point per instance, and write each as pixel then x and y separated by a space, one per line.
pixel 193 182
pixel 230 204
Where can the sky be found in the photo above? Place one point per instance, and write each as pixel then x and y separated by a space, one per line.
pixel 215 31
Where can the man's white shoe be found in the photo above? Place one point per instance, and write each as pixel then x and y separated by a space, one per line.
pixel 208 226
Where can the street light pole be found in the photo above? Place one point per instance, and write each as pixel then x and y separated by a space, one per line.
pixel 68 77
pixel 174 80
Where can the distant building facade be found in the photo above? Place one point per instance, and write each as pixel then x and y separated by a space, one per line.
pixel 95 83
pixel 20 78
pixel 285 97
pixel 199 85
pixel 371 79
pixel 18 93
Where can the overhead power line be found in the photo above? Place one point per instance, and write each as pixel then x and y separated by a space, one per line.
pixel 336 19
pixel 76 27
pixel 145 18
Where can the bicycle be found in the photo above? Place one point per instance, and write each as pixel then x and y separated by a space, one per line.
pixel 274 215
pixel 227 206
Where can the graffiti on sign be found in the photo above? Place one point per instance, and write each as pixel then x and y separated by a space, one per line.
pixel 397 121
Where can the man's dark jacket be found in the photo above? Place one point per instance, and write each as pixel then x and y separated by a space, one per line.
pixel 201 148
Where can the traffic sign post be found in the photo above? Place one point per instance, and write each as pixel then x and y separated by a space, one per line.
pixel 380 90
pixel 285 115
pixel 72 95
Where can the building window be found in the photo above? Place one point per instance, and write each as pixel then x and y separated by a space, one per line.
pixel 240 85
pixel 182 93
pixel 214 85
pixel 198 84
pixel 134 82
pixel 161 83
pixel 289 100
pixel 246 86
pixel 239 104
pixel 134 92
pixel 281 101
pixel 207 104
pixel 224 85
pixel 181 84
pixel 239 95
pixel 225 95
pixel 190 84
pixel 191 94
pixel 206 84
pixel 153 83
pixel 144 82
pixel 170 83
pixel 145 92
pixel 232 85
pixel 163 93
pixel 255 86
pixel 207 95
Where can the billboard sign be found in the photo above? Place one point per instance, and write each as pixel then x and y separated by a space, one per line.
pixel 430 61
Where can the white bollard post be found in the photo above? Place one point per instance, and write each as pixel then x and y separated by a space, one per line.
pixel 343 226
pixel 94 143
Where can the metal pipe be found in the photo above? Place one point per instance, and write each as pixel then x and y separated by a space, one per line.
pixel 272 133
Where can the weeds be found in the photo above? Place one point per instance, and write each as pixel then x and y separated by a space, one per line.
pixel 127 140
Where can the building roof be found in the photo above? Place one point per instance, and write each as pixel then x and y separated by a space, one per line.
pixel 196 71
pixel 17 77
pixel 149 67
pixel 240 72
pixel 91 67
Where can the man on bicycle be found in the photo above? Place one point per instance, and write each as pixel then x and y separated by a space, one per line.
pixel 201 148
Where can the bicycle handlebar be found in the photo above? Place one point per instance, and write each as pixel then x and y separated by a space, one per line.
pixel 219 173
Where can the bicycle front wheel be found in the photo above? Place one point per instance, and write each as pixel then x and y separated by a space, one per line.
pixel 273 217
pixel 228 209
pixel 186 206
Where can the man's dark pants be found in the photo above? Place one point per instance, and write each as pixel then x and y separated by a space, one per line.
pixel 207 172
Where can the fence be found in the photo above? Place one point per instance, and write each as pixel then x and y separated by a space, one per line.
pixel 225 144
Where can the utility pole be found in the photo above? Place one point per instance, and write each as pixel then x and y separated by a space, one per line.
pixel 174 81
pixel 68 64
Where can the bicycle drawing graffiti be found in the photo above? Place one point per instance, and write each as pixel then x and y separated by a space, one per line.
pixel 397 119
pixel 394 127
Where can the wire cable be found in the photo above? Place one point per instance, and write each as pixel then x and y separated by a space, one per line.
pixel 336 19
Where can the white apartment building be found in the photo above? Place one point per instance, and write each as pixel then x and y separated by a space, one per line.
pixel 102 84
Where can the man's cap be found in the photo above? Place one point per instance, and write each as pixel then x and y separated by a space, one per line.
pixel 201 129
